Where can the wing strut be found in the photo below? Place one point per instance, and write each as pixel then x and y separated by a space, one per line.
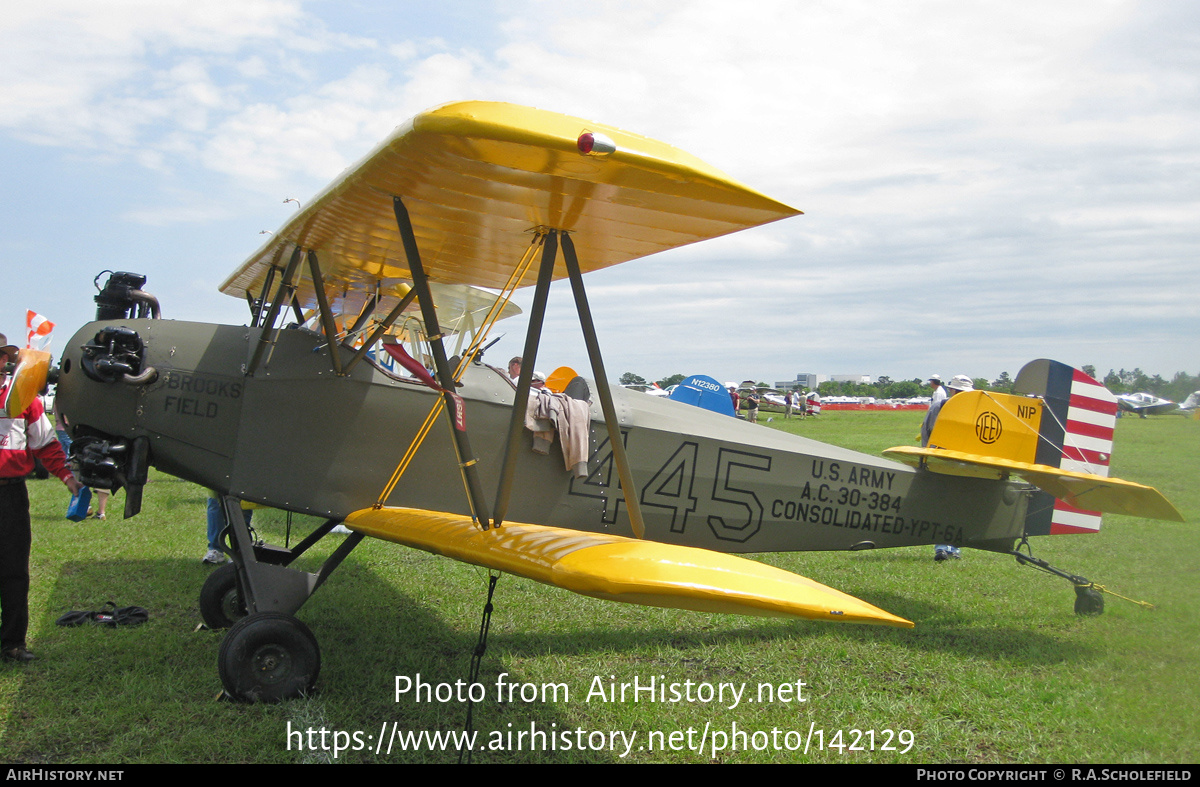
pixel 381 329
pixel 606 402
pixel 327 324
pixel 533 337
pixel 466 459
pixel 268 324
pixel 365 314
pixel 494 313
pixel 257 304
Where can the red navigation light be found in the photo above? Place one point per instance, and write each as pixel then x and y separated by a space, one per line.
pixel 592 144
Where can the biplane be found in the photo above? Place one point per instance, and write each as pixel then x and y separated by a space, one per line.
pixel 632 498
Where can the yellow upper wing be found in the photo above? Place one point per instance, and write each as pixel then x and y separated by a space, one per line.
pixel 478 177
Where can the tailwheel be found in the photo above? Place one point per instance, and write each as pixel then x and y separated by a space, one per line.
pixel 1088 600
pixel 1088 597
pixel 221 602
pixel 268 657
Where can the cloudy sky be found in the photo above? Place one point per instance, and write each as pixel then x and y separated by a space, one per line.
pixel 983 183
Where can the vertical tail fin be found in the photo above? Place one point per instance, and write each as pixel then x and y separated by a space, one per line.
pixel 1076 433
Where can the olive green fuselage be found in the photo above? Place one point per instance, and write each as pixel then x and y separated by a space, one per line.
pixel 296 436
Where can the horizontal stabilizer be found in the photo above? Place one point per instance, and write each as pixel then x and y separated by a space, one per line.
pixel 621 569
pixel 1081 490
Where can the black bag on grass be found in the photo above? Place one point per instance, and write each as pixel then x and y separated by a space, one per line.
pixel 109 615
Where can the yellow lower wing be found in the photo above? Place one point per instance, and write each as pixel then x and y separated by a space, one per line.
pixel 621 569
pixel 1081 490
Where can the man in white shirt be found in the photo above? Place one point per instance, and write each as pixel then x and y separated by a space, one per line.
pixel 939 390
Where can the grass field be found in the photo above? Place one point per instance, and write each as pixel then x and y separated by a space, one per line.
pixel 998 668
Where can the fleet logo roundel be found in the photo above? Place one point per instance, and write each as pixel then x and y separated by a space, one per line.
pixel 988 427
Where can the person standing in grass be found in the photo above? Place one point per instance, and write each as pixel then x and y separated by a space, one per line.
pixel 217 522
pixel 960 383
pixel 752 400
pixel 22 438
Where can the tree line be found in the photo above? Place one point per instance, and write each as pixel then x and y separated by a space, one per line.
pixel 1176 389
pixel 1119 382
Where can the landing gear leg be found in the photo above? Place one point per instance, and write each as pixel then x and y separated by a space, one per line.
pixel 268 655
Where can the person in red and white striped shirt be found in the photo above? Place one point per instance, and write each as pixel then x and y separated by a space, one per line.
pixel 21 439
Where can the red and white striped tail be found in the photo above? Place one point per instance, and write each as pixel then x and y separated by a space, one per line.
pixel 1076 435
pixel 1091 419
pixel 1087 447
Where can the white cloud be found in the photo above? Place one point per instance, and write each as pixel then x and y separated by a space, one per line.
pixel 1032 163
pixel 164 216
pixel 90 74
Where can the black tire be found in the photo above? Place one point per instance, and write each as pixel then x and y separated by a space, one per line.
pixel 221 602
pixel 268 657
pixel 1088 601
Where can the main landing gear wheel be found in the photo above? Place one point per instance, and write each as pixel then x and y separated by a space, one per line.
pixel 221 602
pixel 268 657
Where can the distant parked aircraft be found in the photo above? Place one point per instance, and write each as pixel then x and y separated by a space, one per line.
pixel 1145 404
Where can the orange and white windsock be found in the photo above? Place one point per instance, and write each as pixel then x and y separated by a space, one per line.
pixel 38 331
